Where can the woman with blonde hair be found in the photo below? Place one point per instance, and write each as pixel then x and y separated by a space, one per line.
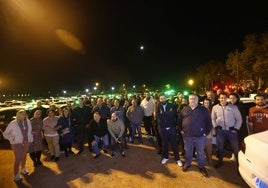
pixel 36 146
pixel 19 134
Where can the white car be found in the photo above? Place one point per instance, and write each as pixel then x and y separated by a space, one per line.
pixel 253 161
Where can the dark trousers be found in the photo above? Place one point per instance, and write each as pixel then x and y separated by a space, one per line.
pixel 169 135
pixel 80 135
pixel 148 125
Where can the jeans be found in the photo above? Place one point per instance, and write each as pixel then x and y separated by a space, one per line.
pixel 135 127
pixel 169 135
pixel 199 143
pixel 105 140
pixel 222 137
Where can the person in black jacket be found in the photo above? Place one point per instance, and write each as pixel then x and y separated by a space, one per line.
pixel 166 118
pixel 195 124
pixel 98 132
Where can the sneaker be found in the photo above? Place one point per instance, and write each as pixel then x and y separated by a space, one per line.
pixel 71 152
pixel 17 178
pixel 113 153
pixel 57 158
pixel 218 164
pixel 52 157
pixel 204 171
pixel 79 152
pixel 96 156
pixel 130 139
pixel 154 139
pixel 179 162
pixel 233 157
pixel 164 161
pixel 185 168
pixel 24 171
pixel 123 154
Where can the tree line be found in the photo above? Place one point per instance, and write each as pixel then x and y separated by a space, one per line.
pixel 247 68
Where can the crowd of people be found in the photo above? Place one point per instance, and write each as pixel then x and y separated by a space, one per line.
pixel 186 124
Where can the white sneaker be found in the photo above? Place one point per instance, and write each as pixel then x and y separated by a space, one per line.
pixel 233 157
pixel 179 162
pixel 17 178
pixel 164 161
pixel 24 171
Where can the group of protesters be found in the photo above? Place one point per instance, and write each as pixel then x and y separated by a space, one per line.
pixel 187 124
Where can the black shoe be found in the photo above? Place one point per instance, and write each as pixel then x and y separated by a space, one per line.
pixel 71 152
pixel 204 171
pixel 185 168
pixel 52 157
pixel 39 163
pixel 113 153
pixel 219 164
pixel 96 156
pixel 123 154
pixel 57 158
pixel 105 151
pixel 79 152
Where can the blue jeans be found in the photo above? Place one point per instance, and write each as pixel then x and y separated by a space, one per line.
pixel 169 135
pixel 199 143
pixel 135 127
pixel 222 137
pixel 105 140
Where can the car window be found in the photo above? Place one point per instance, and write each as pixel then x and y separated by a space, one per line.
pixel 8 114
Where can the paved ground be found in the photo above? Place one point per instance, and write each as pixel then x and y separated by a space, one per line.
pixel 140 168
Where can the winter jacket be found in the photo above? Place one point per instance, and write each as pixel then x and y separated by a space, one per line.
pixel 226 117
pixel 166 117
pixel 194 122
pixel 14 135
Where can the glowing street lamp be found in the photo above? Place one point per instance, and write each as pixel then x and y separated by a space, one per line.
pixel 87 90
pixel 190 82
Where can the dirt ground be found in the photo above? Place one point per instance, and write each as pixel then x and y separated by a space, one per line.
pixel 141 168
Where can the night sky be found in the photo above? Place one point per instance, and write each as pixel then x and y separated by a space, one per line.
pixel 177 37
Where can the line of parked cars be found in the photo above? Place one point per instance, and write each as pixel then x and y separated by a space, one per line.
pixel 9 109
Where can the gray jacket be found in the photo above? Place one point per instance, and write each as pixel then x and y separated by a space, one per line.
pixel 226 117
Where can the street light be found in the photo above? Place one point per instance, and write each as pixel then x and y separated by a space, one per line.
pixel 190 82
pixel 87 90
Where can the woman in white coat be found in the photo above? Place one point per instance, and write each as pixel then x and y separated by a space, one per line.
pixel 19 134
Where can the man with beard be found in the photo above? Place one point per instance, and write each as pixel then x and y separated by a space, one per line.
pixel 166 117
pixel 116 129
pixel 258 115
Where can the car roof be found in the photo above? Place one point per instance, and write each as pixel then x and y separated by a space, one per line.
pixel 13 108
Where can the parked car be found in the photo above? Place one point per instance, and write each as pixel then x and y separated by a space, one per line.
pixel 253 163
pixel 7 114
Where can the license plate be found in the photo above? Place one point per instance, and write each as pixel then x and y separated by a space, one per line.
pixel 260 184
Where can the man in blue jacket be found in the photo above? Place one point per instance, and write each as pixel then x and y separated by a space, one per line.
pixel 195 124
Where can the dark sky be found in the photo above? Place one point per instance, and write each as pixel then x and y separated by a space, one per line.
pixel 177 37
